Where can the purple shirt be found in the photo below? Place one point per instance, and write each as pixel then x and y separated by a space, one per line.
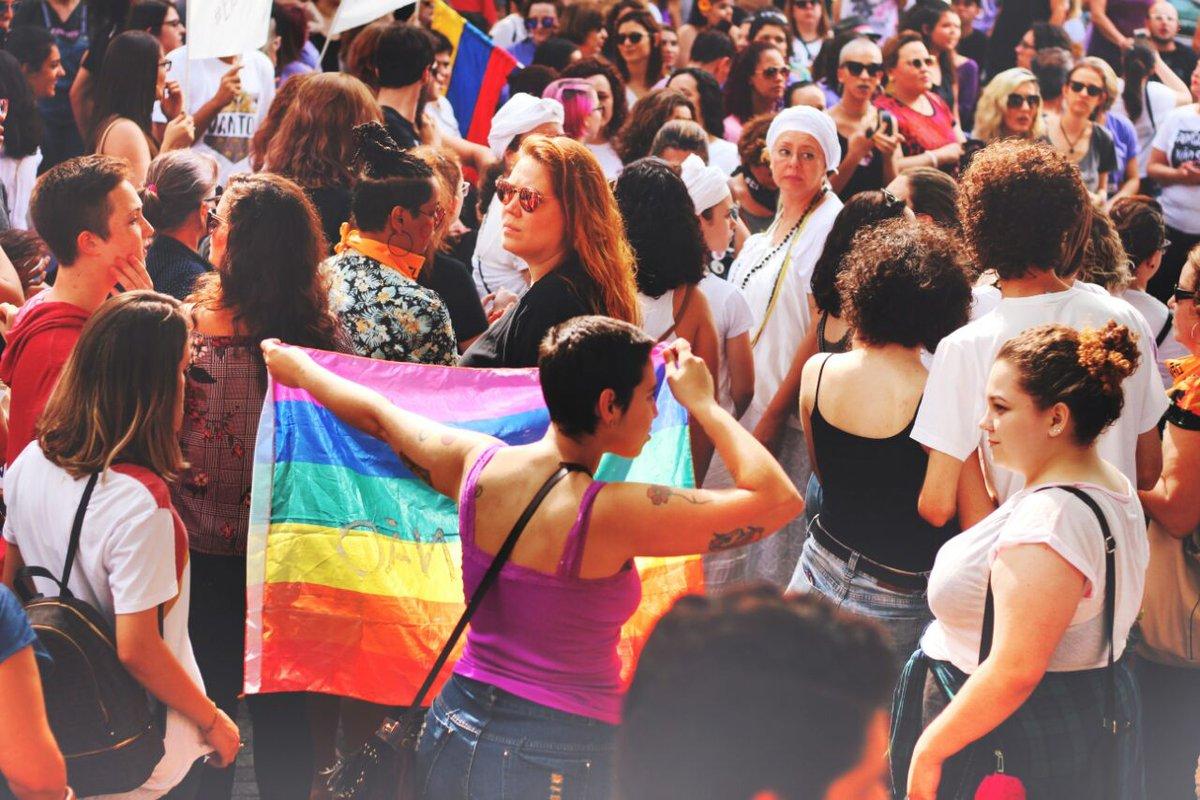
pixel 550 639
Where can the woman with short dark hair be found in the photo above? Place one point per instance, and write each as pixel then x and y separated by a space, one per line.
pixel 539 675
pixel 23 127
pixel 708 101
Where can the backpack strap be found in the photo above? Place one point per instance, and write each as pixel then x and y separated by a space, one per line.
pixel 25 573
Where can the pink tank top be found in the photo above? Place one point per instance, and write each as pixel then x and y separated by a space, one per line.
pixel 550 639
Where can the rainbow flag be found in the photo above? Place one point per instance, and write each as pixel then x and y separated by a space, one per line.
pixel 354 575
pixel 479 71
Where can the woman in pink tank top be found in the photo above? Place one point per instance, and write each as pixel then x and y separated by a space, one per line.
pixel 534 703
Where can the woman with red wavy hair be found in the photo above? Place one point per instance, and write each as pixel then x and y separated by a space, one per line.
pixel 561 219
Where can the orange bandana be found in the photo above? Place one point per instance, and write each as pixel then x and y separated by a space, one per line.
pixel 406 263
pixel 1185 391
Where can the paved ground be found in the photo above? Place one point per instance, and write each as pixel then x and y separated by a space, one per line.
pixel 243 782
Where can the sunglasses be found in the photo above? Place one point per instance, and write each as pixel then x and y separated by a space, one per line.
pixel 437 215
pixel 1016 100
pixel 857 68
pixel 529 199
pixel 917 63
pixel 632 38
pixel 1091 89
pixel 891 202
pixel 770 72
pixel 546 22
pixel 1180 293
pixel 804 4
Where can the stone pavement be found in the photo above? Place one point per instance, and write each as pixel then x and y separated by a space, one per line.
pixel 244 787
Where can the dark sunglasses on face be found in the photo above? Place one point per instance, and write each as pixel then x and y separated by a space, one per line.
pixel 1180 294
pixel 1016 100
pixel 632 38
pixel 917 63
pixel 1091 89
pixel 857 68
pixel 529 199
pixel 804 4
pixel 770 72
pixel 546 22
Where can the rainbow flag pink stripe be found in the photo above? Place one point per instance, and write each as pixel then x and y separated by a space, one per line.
pixel 354 566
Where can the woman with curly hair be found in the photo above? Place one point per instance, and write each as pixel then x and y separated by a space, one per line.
pixel 756 85
pixel 1032 607
pixel 561 220
pixel 755 192
pixel 1026 214
pixel 655 110
pixel 638 54
pixel 314 143
pixel 868 548
pixel 708 101
pixel 266 245
pixel 614 108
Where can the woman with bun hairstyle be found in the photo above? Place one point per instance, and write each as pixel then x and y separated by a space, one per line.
pixel 560 218
pixel 396 206
pixel 1042 667
pixel 181 188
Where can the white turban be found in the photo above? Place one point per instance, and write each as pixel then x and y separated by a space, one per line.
pixel 706 185
pixel 816 124
pixel 521 114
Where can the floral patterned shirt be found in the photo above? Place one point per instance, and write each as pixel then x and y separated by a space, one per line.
pixel 387 315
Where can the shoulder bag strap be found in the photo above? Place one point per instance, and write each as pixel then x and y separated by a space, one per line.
pixel 489 578
pixel 687 298
pixel 72 549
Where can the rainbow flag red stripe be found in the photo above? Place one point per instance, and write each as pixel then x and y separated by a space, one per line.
pixel 479 71
pixel 354 574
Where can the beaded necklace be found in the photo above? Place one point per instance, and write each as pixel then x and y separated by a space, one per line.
pixel 787 239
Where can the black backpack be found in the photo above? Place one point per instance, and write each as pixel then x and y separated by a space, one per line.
pixel 108 728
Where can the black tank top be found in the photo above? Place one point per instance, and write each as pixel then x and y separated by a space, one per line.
pixel 870 493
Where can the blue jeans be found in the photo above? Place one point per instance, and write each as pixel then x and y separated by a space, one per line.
pixel 903 615
pixel 481 742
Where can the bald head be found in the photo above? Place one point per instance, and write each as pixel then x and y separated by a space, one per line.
pixel 1162 20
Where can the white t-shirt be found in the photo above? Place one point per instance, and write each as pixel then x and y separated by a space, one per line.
pixel 132 557
pixel 492 266
pixel 1157 317
pixel 984 299
pixel 731 317
pixel 18 176
pixel 228 136
pixel 784 324
pixel 1178 138
pixel 1062 522
pixel 954 401
pixel 443 115
pixel 723 155
pixel 610 162
pixel 1157 104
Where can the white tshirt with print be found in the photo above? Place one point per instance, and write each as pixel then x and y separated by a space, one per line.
pixel 227 138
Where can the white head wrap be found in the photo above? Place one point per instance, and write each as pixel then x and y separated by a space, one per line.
pixel 706 185
pixel 816 124
pixel 521 114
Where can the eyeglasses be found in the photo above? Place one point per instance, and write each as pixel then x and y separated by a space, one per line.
pixel 531 23
pixel 216 195
pixel 1180 293
pixel 529 199
pixel 917 63
pixel 437 215
pixel 1016 100
pixel 214 221
pixel 164 65
pixel 857 68
pixel 770 72
pixel 464 188
pixel 1091 89
pixel 632 38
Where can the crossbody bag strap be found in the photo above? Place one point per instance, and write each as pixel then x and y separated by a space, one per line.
pixel 687 298
pixel 489 578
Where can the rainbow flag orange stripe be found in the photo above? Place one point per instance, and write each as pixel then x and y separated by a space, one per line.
pixel 354 566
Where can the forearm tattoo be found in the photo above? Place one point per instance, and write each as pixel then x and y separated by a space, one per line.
pixel 735 538
pixel 416 469
pixel 659 495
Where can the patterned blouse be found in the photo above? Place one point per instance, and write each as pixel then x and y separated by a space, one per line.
pixel 387 315
pixel 222 403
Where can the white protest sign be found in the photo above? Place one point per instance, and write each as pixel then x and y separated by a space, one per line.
pixel 219 28
pixel 352 13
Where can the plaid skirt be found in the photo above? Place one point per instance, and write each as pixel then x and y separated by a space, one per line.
pixel 1055 742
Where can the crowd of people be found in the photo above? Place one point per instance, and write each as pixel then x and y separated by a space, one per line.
pixel 924 276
